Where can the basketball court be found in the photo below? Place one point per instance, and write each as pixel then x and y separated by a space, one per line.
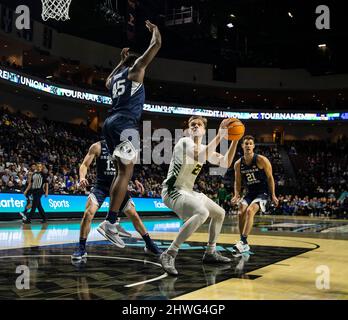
pixel 283 265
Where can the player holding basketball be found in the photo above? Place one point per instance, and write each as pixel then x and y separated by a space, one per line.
pixel 194 208
pixel 254 172
pixel 128 97
pixel 105 175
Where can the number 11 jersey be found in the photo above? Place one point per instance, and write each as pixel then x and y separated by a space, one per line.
pixel 105 168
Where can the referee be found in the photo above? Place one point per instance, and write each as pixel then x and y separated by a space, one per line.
pixel 37 184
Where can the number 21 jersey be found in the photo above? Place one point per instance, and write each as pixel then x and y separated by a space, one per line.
pixel 253 178
pixel 128 97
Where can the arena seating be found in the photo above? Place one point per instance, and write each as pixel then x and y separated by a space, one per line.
pixel 321 176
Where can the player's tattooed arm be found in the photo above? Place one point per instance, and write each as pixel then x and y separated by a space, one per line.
pixel 94 151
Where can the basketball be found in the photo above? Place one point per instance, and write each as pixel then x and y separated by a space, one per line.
pixel 236 129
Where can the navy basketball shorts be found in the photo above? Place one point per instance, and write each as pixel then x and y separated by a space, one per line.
pixel 260 198
pixel 122 137
pixel 99 194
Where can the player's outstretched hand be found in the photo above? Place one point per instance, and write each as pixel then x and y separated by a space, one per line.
pixel 84 183
pixel 140 186
pixel 275 200
pixel 235 199
pixel 150 26
pixel 224 123
pixel 124 53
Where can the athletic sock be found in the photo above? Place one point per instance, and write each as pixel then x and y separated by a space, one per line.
pixel 173 250
pixel 244 238
pixel 151 245
pixel 112 216
pixel 147 239
pixel 83 243
pixel 211 248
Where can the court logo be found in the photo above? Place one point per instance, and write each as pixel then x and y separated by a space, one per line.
pixel 323 20
pixel 323 280
pixel 23 281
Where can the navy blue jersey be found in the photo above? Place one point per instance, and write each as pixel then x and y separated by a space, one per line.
pixel 128 97
pixel 253 178
pixel 105 167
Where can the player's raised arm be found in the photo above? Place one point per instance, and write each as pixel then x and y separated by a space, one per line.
pixel 224 161
pixel 137 71
pixel 93 151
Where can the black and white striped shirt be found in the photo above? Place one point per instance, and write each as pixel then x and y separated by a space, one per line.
pixel 38 179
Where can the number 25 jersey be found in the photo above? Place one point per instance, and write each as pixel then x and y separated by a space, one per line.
pixel 128 97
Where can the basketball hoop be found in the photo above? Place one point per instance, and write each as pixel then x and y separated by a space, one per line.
pixel 55 9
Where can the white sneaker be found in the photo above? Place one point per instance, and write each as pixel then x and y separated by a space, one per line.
pixel 122 232
pixel 241 247
pixel 110 232
pixel 244 259
pixel 24 217
pixel 168 263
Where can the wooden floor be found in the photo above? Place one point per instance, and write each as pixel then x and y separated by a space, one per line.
pixel 293 278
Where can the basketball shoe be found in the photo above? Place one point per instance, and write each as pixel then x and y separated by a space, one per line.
pixel 111 233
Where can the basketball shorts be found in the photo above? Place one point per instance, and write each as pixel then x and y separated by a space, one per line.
pixel 122 137
pixel 98 196
pixel 184 203
pixel 29 197
pixel 260 198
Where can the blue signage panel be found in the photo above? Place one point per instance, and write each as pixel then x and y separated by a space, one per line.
pixel 15 202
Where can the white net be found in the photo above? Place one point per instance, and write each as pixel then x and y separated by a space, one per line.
pixel 55 9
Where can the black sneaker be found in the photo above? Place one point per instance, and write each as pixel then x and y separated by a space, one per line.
pixel 153 249
pixel 215 257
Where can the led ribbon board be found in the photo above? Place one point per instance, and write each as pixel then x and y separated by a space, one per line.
pixel 85 96
pixel 15 202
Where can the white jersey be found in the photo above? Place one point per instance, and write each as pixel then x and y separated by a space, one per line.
pixel 183 170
